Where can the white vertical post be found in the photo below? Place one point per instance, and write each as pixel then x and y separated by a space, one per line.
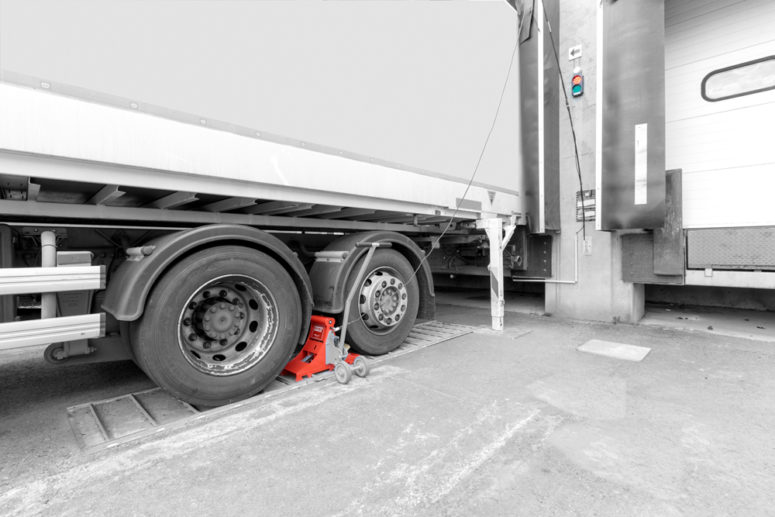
pixel 494 229
pixel 540 21
pixel 48 254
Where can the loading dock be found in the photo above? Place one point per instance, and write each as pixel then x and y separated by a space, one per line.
pixel 602 186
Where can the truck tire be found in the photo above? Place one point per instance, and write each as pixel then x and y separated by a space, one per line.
pixel 219 326
pixel 384 306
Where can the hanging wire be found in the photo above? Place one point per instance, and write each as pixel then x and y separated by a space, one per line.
pixel 478 161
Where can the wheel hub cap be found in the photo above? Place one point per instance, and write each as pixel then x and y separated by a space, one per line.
pixel 383 299
pixel 227 325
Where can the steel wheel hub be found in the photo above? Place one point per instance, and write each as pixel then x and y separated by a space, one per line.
pixel 383 299
pixel 228 325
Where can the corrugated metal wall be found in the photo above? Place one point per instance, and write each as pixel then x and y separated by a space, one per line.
pixel 725 148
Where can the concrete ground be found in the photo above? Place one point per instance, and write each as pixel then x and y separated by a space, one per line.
pixel 746 324
pixel 485 424
pixel 477 299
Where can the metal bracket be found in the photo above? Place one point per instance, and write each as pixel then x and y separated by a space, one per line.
pixel 494 228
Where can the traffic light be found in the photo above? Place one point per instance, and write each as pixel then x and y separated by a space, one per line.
pixel 577 85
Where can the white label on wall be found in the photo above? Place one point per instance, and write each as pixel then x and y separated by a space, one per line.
pixel 641 164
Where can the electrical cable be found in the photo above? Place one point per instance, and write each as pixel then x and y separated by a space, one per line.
pixel 478 161
pixel 570 120
pixel 492 127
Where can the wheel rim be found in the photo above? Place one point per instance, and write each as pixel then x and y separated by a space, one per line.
pixel 383 300
pixel 228 325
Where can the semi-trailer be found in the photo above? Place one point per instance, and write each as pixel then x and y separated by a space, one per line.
pixel 150 211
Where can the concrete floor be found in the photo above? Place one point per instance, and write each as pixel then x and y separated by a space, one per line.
pixel 524 303
pixel 746 324
pixel 486 424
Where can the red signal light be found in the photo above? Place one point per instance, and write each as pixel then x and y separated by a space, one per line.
pixel 576 79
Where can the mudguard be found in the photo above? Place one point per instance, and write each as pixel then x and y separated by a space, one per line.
pixel 129 286
pixel 329 277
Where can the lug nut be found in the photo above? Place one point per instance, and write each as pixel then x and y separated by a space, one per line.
pixel 206 294
pixel 392 281
pixel 223 293
pixel 235 301
pixel 206 345
pixel 403 307
pixel 398 316
pixel 222 305
pixel 223 342
pixel 187 322
pixel 400 286
pixel 384 284
pixel 403 296
pixel 376 306
pixel 192 305
pixel 192 337
pixel 389 321
pixel 380 317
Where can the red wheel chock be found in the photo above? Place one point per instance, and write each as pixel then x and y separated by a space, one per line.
pixel 321 352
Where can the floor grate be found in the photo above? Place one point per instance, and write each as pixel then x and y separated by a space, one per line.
pixel 110 422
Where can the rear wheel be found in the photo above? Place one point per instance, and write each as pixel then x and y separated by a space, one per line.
pixel 384 306
pixel 219 326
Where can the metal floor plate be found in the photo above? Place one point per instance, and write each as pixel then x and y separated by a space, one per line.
pixel 111 422
pixel 615 350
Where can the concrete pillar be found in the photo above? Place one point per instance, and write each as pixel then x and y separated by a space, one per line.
pixel 600 294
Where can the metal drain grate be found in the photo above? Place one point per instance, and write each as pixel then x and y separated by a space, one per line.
pixel 96 423
pixel 106 423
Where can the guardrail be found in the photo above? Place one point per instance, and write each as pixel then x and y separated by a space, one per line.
pixel 48 281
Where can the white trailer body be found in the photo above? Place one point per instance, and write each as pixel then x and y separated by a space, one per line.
pixel 60 138
pixel 355 90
